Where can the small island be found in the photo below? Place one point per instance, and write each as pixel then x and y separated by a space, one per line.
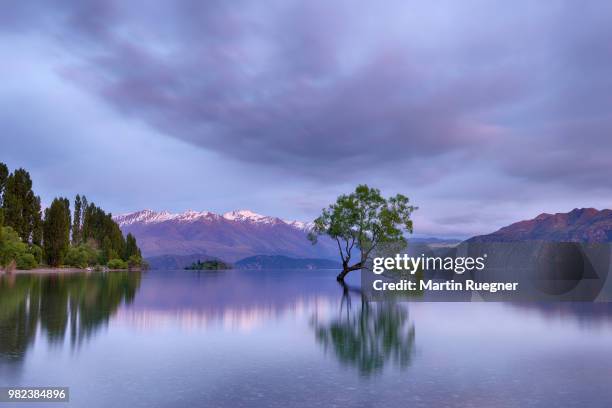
pixel 210 265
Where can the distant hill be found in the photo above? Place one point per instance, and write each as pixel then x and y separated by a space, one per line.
pixel 285 262
pixel 434 241
pixel 579 225
pixel 230 236
pixel 176 261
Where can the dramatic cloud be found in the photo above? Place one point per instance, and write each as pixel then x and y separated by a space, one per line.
pixel 475 103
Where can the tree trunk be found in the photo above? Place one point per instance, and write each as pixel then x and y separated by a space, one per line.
pixel 346 269
pixel 341 275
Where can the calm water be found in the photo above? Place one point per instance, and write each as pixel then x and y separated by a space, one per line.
pixel 292 338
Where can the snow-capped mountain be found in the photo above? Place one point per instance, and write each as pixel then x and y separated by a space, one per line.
pixel 152 217
pixel 230 236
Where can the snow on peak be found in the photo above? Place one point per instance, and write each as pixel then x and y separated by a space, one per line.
pixel 300 224
pixel 144 216
pixel 152 217
pixel 241 215
pixel 191 215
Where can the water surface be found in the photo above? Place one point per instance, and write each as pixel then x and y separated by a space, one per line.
pixel 292 338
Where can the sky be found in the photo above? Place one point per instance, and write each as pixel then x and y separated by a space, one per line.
pixel 482 112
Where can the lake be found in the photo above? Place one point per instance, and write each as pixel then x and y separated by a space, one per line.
pixel 292 339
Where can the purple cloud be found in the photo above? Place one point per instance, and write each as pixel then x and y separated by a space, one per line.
pixel 407 95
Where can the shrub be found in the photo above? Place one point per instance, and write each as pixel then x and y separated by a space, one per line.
pixel 135 261
pixel 36 252
pixel 82 256
pixel 76 258
pixel 26 261
pixel 117 264
pixel 14 253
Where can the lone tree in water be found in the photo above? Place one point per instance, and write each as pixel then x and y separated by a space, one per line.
pixel 362 221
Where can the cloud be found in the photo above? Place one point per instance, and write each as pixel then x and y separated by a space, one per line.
pixel 467 101
pixel 289 86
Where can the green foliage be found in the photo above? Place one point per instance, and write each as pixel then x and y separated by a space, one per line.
pixel 100 227
pixel 82 256
pixel 57 231
pixel 20 209
pixel 135 261
pixel 37 223
pixel 26 261
pixel 117 264
pixel 20 206
pixel 1 227
pixel 11 247
pixel 36 252
pixel 131 249
pixel 363 220
pixel 4 173
pixel 76 225
pixel 76 258
pixel 14 251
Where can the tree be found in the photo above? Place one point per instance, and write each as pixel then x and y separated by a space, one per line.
pixel 37 223
pixel 101 228
pixel 1 234
pixel 131 248
pixel 21 206
pixel 4 173
pixel 15 253
pixel 56 233
pixel 76 225
pixel 363 220
pixel 20 210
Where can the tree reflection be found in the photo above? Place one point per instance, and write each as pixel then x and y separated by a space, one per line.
pixel 77 304
pixel 369 338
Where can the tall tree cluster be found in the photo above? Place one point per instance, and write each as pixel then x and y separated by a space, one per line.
pixel 87 236
pixel 99 227
pixel 56 235
pixel 21 207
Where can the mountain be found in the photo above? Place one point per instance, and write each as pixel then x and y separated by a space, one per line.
pixel 230 236
pixel 285 262
pixel 579 225
pixel 432 241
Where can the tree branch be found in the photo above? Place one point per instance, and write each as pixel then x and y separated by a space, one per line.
pixel 340 249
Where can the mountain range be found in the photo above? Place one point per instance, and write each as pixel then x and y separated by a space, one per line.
pixel 169 239
pixel 231 236
pixel 578 225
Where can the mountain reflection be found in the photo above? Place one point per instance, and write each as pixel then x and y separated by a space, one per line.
pixel 368 337
pixel 57 305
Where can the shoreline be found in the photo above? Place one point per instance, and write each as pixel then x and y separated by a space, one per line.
pixel 60 271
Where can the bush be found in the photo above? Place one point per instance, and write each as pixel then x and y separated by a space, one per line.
pixel 26 261
pixel 82 256
pixel 36 252
pixel 76 258
pixel 117 264
pixel 14 253
pixel 135 261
